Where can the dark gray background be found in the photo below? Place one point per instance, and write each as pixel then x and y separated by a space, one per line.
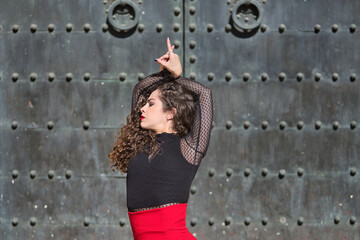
pixel 222 193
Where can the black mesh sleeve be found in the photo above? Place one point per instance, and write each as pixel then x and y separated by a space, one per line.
pixel 194 145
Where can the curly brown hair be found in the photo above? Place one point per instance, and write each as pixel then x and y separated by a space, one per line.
pixel 132 138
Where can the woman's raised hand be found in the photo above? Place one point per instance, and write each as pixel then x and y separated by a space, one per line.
pixel 170 61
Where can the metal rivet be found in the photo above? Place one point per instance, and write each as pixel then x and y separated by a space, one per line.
pixel 192 27
pixel 353 171
pixel 33 77
pixel 228 124
pixel 192 59
pixel 69 27
pixel 15 173
pixel 282 125
pixel 211 172
pixel 176 27
pixel 177 44
pixel 264 172
pixel 229 172
pixel 15 28
pixel 352 220
pixel 33 28
pixel 210 76
pixel 14 221
pixel 264 77
pixel 32 174
pixel 15 77
pixel 14 124
pixel 104 27
pixel 228 76
pixel 211 221
pixel 193 221
pixel 141 27
pixel 352 28
pixel 228 28
pixel 86 221
pixel 317 28
pixel 265 221
pixel 50 125
pixel 51 27
pixel 299 76
pixel 263 27
pixel 193 76
pixel 300 125
pixel 335 77
pixel 317 125
pixel 141 76
pixel 246 124
pixel 282 76
pixel 177 11
pixel 86 125
pixel 264 124
pixel 192 44
pixel 334 28
pixel 68 174
pixel 300 221
pixel 228 220
pixel 51 174
pixel 352 124
pixel 300 172
pixel 193 190
pixel 122 222
pixel 87 76
pixel 122 76
pixel 247 221
pixel 282 28
pixel 318 77
pixel 336 219
pixel 33 221
pixel 335 125
pixel 159 27
pixel 353 77
pixel 69 77
pixel 210 27
pixel 87 27
pixel 51 76
pixel 192 10
pixel 247 172
pixel 282 173
pixel 246 76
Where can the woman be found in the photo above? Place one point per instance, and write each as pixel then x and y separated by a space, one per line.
pixel 161 147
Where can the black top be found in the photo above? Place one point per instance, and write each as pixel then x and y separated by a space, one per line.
pixel 167 177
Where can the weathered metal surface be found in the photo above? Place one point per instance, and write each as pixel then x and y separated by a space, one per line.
pixel 283 161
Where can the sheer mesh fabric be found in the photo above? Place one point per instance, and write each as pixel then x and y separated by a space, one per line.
pixel 195 144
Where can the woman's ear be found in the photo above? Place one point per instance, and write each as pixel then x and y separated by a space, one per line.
pixel 171 114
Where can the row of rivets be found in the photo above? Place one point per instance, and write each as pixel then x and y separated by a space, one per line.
pixel 51 173
pixel 299 125
pixel 264 173
pixel 194 221
pixel 50 125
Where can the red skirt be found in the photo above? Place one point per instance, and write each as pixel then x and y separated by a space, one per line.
pixel 166 223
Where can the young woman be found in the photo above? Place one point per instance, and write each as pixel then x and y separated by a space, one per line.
pixel 161 147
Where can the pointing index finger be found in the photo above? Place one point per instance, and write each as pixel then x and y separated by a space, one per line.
pixel 169 45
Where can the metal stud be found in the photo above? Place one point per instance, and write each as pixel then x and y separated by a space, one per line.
pixel 317 28
pixel 69 27
pixel 33 221
pixel 177 11
pixel 159 27
pixel 352 220
pixel 300 221
pixel 210 27
pixel 87 27
pixel 192 59
pixel 300 125
pixel 300 172
pixel 317 125
pixel 264 77
pixel 263 27
pixel 193 221
pixel 51 174
pixel 104 27
pixel 14 124
pixel 282 28
pixel 211 172
pixel 33 77
pixel 15 173
pixel 176 27
pixel 50 125
pixel 192 10
pixel 228 124
pixel 211 221
pixel 352 28
pixel 265 221
pixel 353 171
pixel 352 124
pixel 122 222
pixel 228 76
pixel 282 173
pixel 264 124
pixel 15 77
pixel 141 27
pixel 246 124
pixel 282 76
pixel 192 27
pixel 51 76
pixel 193 190
pixel 264 172
pixel 334 28
pixel 68 174
pixel 247 172
pixel 335 125
pixel 318 77
pixel 192 44
pixel 192 76
pixel 228 28
pixel 86 125
pixel 353 77
pixel 14 221
pixel 282 125
pixel 247 221
pixel 210 76
pixel 32 174
pixel 336 219
pixel 141 76
pixel 87 76
pixel 69 77
pixel 15 28
pixel 229 172
pixel 299 76
pixel 228 220
pixel 177 44
pixel 335 77
pixel 246 77
pixel 86 221
pixel 33 28
pixel 122 76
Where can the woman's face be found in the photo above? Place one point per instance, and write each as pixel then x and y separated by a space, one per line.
pixel 152 115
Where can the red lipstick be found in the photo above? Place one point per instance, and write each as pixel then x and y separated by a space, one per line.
pixel 142 117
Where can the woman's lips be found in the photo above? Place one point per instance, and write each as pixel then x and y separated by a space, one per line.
pixel 142 118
